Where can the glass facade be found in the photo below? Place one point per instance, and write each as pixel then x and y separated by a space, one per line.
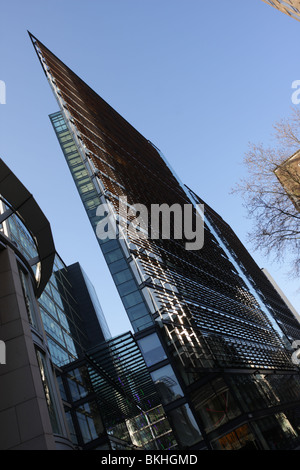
pixel 201 292
pixel 152 349
pixel 208 322
pixel 112 250
pixel 28 263
pixel 112 395
pixel 60 317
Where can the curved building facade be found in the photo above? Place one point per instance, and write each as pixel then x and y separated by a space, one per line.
pixel 31 411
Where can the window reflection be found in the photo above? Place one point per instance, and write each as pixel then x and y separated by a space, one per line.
pixel 89 421
pixel 47 384
pixel 239 439
pixel 215 404
pixel 29 299
pixel 152 349
pixel 184 423
pixel 167 384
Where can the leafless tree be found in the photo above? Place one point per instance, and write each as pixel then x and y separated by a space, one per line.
pixel 271 192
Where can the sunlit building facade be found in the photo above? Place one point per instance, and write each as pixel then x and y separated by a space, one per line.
pixel 288 174
pixel 215 335
pixel 289 7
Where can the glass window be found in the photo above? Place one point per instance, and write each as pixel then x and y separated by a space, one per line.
pixel 118 266
pixel 63 319
pixel 138 311
pixel 58 355
pixel 167 384
pixel 47 383
pixel 48 304
pixel 127 287
pixel 132 299
pixel 57 297
pixel 70 344
pixel 215 404
pixel 123 276
pixel 276 432
pixel 114 255
pixel 78 381
pixel 29 299
pixel 51 327
pixel 240 439
pixel 185 426
pixel 71 428
pixel 61 387
pixel 142 323
pixel 90 423
pixel 110 246
pixel 152 349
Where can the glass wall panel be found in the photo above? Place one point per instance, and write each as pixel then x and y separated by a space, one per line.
pixel 59 356
pixel 239 439
pixel 132 299
pixel 49 393
pixel 123 276
pixel 137 311
pixel 79 383
pixel 29 298
pixel 185 426
pixel 167 384
pixel 215 404
pixel 89 421
pixel 152 349
pixel 276 432
pixel 71 428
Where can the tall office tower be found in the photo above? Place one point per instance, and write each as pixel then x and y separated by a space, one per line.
pixel 88 306
pixel 219 353
pixel 289 7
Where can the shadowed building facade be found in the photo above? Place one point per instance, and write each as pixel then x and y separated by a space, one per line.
pixel 31 411
pixel 214 333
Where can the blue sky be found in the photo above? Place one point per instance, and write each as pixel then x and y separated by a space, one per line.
pixel 199 79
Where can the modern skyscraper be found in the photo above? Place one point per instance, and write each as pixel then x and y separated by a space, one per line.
pixel 289 7
pixel 214 333
pixel 88 306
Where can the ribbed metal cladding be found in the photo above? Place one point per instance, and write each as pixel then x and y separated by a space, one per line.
pixel 207 312
pixel 280 310
pixel 121 379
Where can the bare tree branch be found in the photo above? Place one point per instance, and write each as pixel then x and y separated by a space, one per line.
pixel 269 204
